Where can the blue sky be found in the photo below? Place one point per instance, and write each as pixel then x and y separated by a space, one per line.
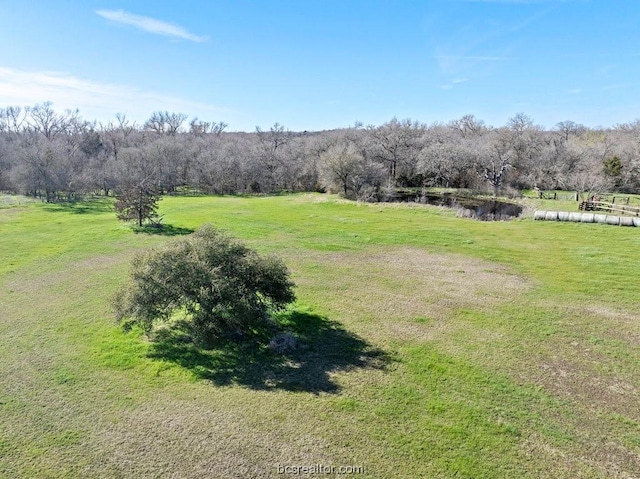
pixel 313 65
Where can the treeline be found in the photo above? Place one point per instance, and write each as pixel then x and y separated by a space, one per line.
pixel 60 156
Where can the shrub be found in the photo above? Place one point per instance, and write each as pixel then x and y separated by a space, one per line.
pixel 218 284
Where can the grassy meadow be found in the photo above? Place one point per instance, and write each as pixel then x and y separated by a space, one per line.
pixel 433 347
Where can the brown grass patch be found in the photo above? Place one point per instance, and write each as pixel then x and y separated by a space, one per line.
pixel 574 380
pixel 594 359
pixel 409 292
pixel 607 458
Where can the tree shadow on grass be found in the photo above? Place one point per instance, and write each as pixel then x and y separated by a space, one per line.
pixel 162 230
pixel 81 207
pixel 324 347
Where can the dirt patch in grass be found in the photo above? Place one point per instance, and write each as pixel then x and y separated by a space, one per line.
pixel 593 452
pixel 409 291
pixel 602 460
pixel 590 357
pixel 596 371
pixel 620 324
pixel 573 380
pixel 590 363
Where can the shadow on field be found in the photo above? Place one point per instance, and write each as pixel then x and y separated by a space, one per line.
pixel 324 347
pixel 162 230
pixel 84 207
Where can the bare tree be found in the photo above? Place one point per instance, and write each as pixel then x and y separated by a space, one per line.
pixel 445 161
pixel 398 145
pixel 199 128
pixel 345 169
pixel 584 172
pixel 276 137
pixel 165 123
pixel 272 156
pixel 13 119
pixel 340 164
pixel 494 160
pixel 568 128
pixel 46 121
pixel 467 126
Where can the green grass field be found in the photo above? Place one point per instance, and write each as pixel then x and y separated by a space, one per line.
pixel 435 346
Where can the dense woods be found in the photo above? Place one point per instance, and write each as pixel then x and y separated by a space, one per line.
pixel 61 156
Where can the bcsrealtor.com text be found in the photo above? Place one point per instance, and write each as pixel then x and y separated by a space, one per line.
pixel 318 469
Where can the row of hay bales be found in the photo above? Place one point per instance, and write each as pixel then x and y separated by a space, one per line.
pixel 586 218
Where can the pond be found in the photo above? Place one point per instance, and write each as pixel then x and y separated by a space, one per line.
pixel 484 209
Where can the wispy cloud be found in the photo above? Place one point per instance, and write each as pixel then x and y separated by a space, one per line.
pixel 535 17
pixel 478 58
pixel 150 25
pixel 95 100
pixel 454 82
pixel 468 65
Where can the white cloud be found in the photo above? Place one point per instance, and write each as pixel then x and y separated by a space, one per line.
pixel 99 101
pixel 150 25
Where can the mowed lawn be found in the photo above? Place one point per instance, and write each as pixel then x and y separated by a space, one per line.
pixel 432 346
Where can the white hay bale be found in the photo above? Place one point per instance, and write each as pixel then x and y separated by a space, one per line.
pixel 599 218
pixel 613 220
pixel 587 218
pixel 626 221
pixel 563 215
pixel 636 222
pixel 551 216
pixel 575 216
pixel 539 215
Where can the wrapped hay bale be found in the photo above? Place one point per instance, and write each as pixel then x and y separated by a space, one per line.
pixel 539 215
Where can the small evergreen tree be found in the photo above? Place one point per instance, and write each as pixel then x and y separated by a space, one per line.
pixel 137 202
pixel 613 169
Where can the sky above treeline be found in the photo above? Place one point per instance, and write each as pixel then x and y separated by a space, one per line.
pixel 324 64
